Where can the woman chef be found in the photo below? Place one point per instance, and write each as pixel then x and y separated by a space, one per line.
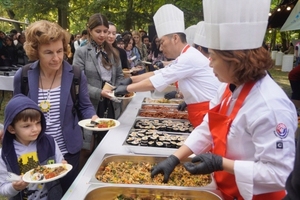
pixel 191 69
pixel 250 128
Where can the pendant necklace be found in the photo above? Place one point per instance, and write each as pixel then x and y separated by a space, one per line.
pixel 45 104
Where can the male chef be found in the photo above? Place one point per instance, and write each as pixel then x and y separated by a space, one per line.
pixel 190 69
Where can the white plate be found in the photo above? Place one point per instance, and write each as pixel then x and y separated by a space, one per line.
pixel 146 62
pixel 123 97
pixel 83 123
pixel 27 175
pixel 133 58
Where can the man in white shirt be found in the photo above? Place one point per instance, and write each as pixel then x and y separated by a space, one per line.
pixel 82 41
pixel 190 69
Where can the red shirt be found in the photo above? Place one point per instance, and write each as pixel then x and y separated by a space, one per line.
pixel 294 75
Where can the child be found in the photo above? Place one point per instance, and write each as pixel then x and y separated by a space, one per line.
pixel 25 146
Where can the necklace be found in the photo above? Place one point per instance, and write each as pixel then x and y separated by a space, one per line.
pixel 45 104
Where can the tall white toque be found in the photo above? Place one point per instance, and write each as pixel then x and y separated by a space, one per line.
pixel 168 19
pixel 235 24
pixel 190 34
pixel 200 38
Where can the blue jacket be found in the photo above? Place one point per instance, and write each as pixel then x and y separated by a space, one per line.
pixel 69 122
pixel 45 143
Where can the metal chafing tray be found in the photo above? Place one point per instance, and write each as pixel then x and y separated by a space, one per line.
pixel 158 106
pixel 172 114
pixel 111 193
pixel 168 125
pixel 154 146
pixel 162 101
pixel 165 144
pixel 152 159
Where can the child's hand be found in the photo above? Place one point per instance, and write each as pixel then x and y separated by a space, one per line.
pixel 19 185
pixel 64 162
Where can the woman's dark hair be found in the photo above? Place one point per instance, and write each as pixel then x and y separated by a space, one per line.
pixel 100 20
pixel 127 39
pixel 154 47
pixel 114 44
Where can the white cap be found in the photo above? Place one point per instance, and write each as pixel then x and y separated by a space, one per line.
pixel 190 34
pixel 200 38
pixel 235 24
pixel 168 19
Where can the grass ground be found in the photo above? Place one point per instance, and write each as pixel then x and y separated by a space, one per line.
pixel 280 77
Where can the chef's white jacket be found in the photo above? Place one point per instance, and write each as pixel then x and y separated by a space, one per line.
pixel 261 138
pixel 196 79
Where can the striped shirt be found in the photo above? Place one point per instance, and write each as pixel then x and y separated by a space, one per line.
pixel 52 117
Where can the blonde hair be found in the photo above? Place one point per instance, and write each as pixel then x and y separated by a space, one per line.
pixel 44 32
pixel 140 40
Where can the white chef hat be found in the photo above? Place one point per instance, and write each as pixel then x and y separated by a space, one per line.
pixel 168 19
pixel 190 34
pixel 200 38
pixel 235 24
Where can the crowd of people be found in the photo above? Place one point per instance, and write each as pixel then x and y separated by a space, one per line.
pixel 244 132
pixel 12 52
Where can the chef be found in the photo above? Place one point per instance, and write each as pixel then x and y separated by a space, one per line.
pixel 250 128
pixel 195 78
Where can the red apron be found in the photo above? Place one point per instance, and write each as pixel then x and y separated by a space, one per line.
pixel 197 111
pixel 219 125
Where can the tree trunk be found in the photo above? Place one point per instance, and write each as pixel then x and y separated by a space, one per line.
pixel 11 15
pixel 63 14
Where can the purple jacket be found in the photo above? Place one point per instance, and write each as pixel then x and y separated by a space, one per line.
pixel 69 122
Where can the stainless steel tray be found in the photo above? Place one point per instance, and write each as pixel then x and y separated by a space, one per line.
pixel 165 114
pixel 111 193
pixel 162 101
pixel 155 106
pixel 151 159
pixel 169 125
pixel 153 142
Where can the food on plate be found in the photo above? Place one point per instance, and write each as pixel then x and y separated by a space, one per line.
pixel 42 172
pixel 135 172
pixel 101 124
pixel 130 94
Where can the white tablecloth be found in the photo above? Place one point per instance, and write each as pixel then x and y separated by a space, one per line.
pixel 6 83
pixel 111 144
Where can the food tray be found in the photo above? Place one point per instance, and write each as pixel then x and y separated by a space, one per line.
pixel 143 141
pixel 168 114
pixel 160 124
pixel 111 192
pixel 141 165
pixel 159 107
pixel 162 101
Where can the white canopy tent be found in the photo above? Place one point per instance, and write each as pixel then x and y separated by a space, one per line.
pixel 293 21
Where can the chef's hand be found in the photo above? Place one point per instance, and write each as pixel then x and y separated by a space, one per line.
pixel 121 90
pixel 165 167
pixel 208 163
pixel 170 95
pixel 126 81
pixel 182 106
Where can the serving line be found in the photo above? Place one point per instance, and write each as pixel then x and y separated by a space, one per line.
pixel 111 144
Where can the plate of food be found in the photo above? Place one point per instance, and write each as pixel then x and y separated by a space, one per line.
pixel 130 95
pixel 100 124
pixel 47 173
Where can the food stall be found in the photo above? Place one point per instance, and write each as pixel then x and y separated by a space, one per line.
pixel 114 147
